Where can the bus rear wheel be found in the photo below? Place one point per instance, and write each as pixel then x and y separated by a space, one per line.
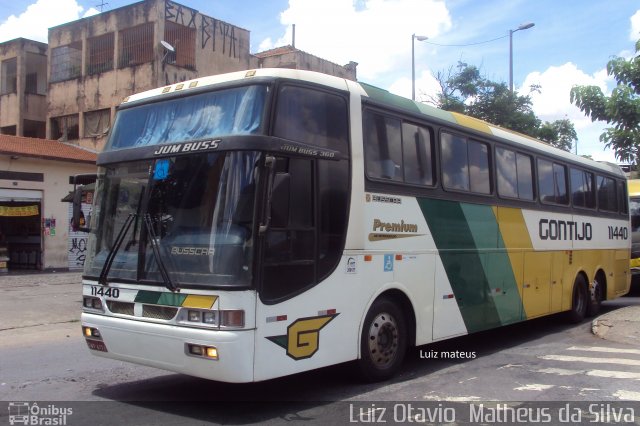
pixel 595 296
pixel 579 300
pixel 383 342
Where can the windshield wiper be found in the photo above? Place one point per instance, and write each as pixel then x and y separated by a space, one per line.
pixel 114 250
pixel 156 253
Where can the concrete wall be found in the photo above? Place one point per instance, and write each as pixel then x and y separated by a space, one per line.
pixel 16 107
pixel 54 188
pixel 218 47
pixel 301 60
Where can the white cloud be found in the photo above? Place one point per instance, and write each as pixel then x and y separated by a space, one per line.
pixel 553 104
pixel 374 33
pixel 634 35
pixel 427 87
pixel 38 17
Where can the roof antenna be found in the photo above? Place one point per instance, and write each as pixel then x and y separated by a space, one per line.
pixel 293 36
pixel 101 5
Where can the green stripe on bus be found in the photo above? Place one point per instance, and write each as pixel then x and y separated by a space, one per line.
pixel 462 262
pixel 160 298
pixel 503 287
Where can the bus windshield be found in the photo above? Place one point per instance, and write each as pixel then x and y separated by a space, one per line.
pixel 199 209
pixel 235 111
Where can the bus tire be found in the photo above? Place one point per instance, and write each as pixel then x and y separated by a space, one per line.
pixel 595 297
pixel 383 343
pixel 579 300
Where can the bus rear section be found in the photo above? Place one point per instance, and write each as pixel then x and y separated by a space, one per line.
pixel 634 212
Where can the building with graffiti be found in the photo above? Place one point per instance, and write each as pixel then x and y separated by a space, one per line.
pixel 34 223
pixel 96 62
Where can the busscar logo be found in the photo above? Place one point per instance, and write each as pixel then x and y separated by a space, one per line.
pixel 188 147
pixel 32 414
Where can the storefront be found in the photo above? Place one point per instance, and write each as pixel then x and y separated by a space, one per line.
pixel 34 222
pixel 20 228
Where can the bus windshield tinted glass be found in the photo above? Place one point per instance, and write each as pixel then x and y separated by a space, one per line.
pixel 201 211
pixel 236 111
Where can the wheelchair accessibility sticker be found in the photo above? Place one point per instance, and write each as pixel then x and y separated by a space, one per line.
pixel 388 262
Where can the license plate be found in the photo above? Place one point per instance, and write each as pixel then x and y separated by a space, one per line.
pixel 96 345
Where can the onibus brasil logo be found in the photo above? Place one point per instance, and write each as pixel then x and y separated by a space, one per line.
pixel 26 413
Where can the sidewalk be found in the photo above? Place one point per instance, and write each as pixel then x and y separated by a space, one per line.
pixel 621 325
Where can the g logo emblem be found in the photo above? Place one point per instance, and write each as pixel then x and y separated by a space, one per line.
pixel 303 336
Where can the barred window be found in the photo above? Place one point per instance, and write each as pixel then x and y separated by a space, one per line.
pixel 9 74
pixel 66 62
pixel 135 45
pixel 183 40
pixel 97 123
pixel 65 128
pixel 36 77
pixel 100 54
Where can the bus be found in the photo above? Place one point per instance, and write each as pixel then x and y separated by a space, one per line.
pixel 263 223
pixel 634 212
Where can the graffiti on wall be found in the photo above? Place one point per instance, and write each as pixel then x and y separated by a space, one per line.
pixel 220 35
pixel 77 252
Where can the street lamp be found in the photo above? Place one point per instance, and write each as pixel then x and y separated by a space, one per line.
pixel 413 63
pixel 521 27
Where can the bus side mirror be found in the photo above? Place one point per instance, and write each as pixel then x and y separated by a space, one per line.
pixel 78 222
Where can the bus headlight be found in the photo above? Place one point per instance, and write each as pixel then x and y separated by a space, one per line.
pixel 92 303
pixel 233 318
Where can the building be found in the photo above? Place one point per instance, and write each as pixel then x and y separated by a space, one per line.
pixel 68 90
pixel 34 223
pixel 290 57
pixel 95 62
pixel 23 88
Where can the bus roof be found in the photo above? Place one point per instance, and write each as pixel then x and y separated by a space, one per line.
pixel 383 97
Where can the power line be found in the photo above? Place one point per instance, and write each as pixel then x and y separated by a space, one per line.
pixel 464 45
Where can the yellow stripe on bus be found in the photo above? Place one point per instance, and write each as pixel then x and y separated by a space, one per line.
pixel 199 301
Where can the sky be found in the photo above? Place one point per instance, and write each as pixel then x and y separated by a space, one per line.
pixel 570 44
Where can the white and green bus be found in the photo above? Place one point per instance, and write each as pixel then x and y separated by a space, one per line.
pixel 258 224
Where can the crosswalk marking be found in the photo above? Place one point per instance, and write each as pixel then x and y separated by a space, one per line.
pixel 621 361
pixel 627 395
pixel 614 374
pixel 602 349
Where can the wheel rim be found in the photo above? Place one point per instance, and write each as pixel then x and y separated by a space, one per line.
pixel 595 291
pixel 580 301
pixel 383 340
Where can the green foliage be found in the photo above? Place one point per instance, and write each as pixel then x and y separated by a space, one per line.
pixel 560 134
pixel 464 90
pixel 621 109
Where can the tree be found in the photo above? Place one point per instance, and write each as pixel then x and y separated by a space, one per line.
pixel 464 90
pixel 621 109
pixel 560 134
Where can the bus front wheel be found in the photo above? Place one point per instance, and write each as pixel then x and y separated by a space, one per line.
pixel 383 342
pixel 579 301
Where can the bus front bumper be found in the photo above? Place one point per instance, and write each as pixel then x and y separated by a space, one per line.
pixel 167 347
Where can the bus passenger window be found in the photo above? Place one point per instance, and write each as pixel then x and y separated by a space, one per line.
pixel 607 199
pixel 515 175
pixel 383 147
pixel 582 189
pixel 417 154
pixel 479 168
pixel 455 167
pixel 552 182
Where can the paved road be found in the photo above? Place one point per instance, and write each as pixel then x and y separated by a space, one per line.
pixel 44 358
